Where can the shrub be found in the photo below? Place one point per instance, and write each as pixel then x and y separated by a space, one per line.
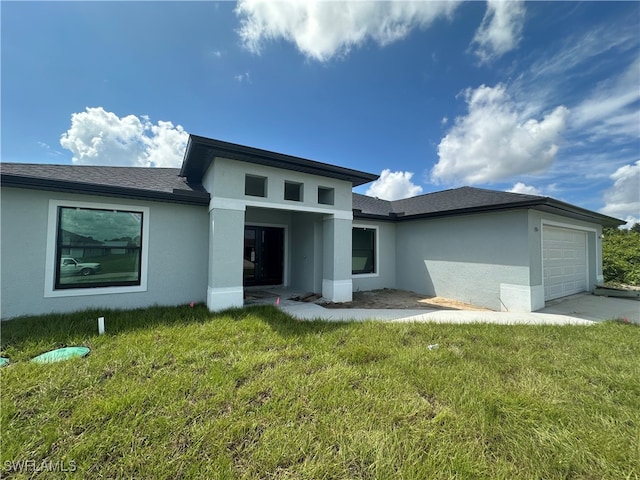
pixel 621 256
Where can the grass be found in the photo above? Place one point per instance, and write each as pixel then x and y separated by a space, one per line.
pixel 183 393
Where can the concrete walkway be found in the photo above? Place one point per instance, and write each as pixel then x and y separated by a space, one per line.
pixel 310 311
pixel 582 309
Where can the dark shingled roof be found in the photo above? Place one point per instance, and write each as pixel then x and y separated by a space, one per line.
pixel 465 200
pixel 164 184
pixel 444 201
pixel 459 198
pixel 365 205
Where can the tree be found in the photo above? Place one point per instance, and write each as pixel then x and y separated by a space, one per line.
pixel 621 256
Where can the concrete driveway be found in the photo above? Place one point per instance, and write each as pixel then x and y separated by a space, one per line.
pixel 595 308
pixel 582 309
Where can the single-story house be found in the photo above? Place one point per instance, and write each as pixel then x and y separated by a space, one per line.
pixel 75 237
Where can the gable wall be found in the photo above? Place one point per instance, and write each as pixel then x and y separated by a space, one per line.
pixel 177 255
pixel 225 180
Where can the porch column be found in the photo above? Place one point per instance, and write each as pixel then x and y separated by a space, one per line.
pixel 226 239
pixel 336 255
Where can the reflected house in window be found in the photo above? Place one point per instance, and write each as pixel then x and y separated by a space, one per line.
pixel 71 238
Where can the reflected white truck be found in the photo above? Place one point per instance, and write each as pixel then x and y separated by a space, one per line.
pixel 70 266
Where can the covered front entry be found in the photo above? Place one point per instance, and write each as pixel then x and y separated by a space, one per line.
pixel 564 262
pixel 263 262
pixel 256 246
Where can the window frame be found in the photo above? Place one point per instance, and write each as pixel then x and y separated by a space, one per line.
pixel 300 191
pixel 248 177
pixel 51 267
pixel 326 195
pixel 376 250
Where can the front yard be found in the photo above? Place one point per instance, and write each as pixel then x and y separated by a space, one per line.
pixel 182 393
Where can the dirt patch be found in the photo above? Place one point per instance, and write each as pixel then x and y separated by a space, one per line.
pixel 392 298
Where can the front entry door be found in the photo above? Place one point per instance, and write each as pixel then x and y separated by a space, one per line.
pixel 263 255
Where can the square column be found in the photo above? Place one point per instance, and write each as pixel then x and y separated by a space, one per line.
pixel 336 272
pixel 226 239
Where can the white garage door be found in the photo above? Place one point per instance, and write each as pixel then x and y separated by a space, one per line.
pixel 564 261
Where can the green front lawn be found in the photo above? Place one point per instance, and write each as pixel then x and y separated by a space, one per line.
pixel 182 393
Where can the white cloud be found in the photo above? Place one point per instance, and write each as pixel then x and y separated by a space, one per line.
pixel 603 125
pixel 50 151
pixel 98 137
pixel 324 29
pixel 612 108
pixel 576 55
pixel 166 145
pixel 500 30
pixel 623 198
pixel 243 77
pixel 524 188
pixel 630 221
pixel 497 139
pixel 394 186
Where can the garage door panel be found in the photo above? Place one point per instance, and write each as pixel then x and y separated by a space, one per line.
pixel 553 291
pixel 564 261
pixel 555 254
pixel 553 273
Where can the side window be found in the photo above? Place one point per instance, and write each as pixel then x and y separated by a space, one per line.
pixel 363 253
pixel 98 248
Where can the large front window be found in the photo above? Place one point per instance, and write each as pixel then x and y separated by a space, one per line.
pixel 98 248
pixel 363 255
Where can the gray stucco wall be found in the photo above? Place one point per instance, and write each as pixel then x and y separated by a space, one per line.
pixel 385 276
pixel 225 239
pixel 177 255
pixel 306 252
pixel 226 179
pixel 465 257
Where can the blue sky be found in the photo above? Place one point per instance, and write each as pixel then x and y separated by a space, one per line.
pixel 535 97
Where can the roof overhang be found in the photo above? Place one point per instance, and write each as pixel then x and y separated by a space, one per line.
pixel 176 196
pixel 201 152
pixel 544 204
pixel 550 205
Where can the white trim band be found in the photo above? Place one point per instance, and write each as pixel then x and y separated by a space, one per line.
pixel 241 205
pixel 221 298
pixel 337 290
pixel 521 298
